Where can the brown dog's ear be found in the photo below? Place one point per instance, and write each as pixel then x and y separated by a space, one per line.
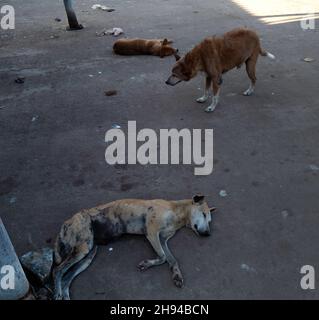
pixel 198 199
pixel 165 42
pixel 212 209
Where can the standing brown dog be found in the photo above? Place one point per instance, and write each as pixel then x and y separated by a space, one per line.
pixel 217 55
pixel 155 47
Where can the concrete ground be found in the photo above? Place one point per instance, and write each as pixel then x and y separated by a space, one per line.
pixel 266 147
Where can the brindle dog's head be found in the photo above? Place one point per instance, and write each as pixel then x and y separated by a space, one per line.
pixel 166 49
pixel 183 70
pixel 200 216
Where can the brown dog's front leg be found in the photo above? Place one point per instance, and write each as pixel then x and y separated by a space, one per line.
pixel 207 90
pixel 216 91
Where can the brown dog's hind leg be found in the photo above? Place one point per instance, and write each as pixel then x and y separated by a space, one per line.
pixel 74 271
pixel 251 72
pixel 207 90
pixel 156 244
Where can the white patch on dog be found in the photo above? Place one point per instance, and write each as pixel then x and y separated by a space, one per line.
pixel 249 91
pixel 213 105
pixel 271 56
pixel 203 98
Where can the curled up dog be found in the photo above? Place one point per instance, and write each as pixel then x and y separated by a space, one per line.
pixel 215 56
pixel 158 220
pixel 155 47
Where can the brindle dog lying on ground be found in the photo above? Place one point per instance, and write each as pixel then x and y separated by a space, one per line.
pixel 158 220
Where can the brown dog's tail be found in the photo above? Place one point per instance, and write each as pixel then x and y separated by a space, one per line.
pixel 266 54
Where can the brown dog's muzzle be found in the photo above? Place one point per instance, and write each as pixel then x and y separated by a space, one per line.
pixel 172 80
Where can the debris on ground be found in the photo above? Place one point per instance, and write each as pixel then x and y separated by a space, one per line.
pixel 34 118
pixel 57 20
pixel 99 292
pixel 110 93
pixel 116 126
pixel 309 59
pixel 110 249
pixel 13 200
pixel 101 33
pixel 38 263
pixel 54 36
pixel 223 193
pixel 114 31
pixel 101 7
pixel 285 213
pixel 313 167
pixel 19 80
pixel 247 268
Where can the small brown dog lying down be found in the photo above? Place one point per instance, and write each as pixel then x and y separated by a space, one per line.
pixel 155 47
pixel 217 55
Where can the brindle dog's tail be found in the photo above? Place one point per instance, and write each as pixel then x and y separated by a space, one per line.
pixel 76 270
pixel 73 244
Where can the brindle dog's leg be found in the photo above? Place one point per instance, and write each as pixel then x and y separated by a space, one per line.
pixel 156 244
pixel 172 262
pixel 74 271
pixel 77 255
pixel 207 90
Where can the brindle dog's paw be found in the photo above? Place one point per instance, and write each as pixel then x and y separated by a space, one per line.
pixel 143 265
pixel 178 280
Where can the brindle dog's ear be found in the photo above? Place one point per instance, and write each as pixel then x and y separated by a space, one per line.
pixel 177 57
pixel 198 199
pixel 212 209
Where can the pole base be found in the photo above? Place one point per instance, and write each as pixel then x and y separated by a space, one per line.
pixel 78 27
